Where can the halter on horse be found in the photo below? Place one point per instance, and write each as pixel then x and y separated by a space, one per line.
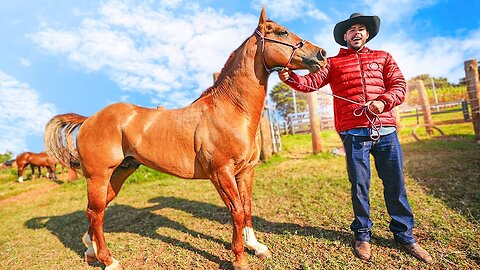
pixel 215 137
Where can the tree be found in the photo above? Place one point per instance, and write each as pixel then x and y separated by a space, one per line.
pixel 440 82
pixel 6 156
pixel 282 95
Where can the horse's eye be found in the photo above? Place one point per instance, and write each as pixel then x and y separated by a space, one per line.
pixel 282 33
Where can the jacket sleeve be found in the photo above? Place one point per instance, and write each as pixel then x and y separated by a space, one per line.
pixel 395 85
pixel 310 82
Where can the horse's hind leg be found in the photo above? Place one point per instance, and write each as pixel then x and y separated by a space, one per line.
pixel 32 167
pixel 54 171
pixel 97 187
pixel 121 173
pixel 245 183
pixel 51 171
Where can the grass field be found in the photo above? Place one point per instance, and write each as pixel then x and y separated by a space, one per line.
pixel 302 211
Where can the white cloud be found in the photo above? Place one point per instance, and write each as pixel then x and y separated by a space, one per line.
pixel 148 49
pixel 439 57
pixel 397 10
pixel 25 62
pixel 22 114
pixel 60 42
pixel 287 10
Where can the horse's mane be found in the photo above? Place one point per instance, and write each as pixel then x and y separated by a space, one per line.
pixel 219 86
pixel 211 89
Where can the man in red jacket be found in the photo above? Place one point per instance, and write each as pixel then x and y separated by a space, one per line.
pixel 367 85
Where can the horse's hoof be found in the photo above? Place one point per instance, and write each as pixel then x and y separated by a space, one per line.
pixel 241 267
pixel 90 259
pixel 264 255
pixel 115 265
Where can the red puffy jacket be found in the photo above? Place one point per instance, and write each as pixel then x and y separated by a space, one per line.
pixel 360 76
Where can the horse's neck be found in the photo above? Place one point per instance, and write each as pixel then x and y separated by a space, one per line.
pixel 243 81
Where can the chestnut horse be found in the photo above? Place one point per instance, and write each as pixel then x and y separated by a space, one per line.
pixel 36 160
pixel 213 138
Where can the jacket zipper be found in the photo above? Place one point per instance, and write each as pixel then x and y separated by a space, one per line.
pixel 364 97
pixel 364 90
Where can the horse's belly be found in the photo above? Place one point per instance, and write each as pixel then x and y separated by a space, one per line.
pixel 178 165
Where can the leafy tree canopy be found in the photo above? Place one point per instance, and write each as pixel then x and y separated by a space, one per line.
pixel 282 95
pixel 5 156
pixel 440 82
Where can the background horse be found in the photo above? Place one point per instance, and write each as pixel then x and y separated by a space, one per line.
pixel 36 160
pixel 213 138
pixel 10 163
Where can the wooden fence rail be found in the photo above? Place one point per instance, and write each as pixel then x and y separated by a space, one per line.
pixel 300 122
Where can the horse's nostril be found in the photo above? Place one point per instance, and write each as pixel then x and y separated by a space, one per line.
pixel 322 54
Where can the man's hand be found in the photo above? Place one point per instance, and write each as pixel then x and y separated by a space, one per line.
pixel 376 106
pixel 284 74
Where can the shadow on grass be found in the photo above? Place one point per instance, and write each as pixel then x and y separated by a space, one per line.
pixel 449 171
pixel 70 228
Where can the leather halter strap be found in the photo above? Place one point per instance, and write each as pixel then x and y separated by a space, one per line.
pixel 294 47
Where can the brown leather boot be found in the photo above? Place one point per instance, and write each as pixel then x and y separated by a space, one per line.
pixel 362 249
pixel 418 252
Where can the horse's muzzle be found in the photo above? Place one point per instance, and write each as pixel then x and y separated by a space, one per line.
pixel 316 61
pixel 322 55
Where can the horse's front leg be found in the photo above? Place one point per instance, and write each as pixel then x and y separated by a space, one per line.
pixel 224 181
pixel 245 183
pixel 20 169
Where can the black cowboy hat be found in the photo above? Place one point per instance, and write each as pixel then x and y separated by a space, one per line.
pixel 371 22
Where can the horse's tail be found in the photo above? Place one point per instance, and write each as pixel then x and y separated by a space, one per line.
pixel 59 141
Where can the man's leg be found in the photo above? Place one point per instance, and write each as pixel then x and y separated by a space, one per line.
pixel 358 166
pixel 388 161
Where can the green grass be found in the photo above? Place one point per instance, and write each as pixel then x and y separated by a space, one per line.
pixel 302 211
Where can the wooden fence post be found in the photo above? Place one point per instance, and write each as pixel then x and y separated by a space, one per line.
pixel 396 112
pixel 314 122
pixel 427 115
pixel 266 139
pixel 473 85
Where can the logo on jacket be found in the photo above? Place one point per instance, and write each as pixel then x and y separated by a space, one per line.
pixel 373 66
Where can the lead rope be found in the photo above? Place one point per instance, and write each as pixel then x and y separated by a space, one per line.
pixel 364 109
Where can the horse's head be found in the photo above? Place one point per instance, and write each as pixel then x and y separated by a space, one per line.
pixel 282 48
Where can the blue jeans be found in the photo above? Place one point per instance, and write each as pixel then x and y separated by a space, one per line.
pixel 387 154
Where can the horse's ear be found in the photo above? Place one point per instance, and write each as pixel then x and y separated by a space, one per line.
pixel 262 22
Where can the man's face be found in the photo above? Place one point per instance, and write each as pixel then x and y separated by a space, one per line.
pixel 356 36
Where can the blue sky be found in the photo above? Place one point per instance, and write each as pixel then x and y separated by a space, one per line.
pixel 79 56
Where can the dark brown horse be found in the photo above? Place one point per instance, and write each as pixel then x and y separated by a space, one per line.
pixel 36 160
pixel 213 138
pixel 8 164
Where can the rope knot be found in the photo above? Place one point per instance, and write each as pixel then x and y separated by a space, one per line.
pixel 372 119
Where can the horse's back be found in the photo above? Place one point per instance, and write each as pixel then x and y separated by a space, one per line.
pixel 22 158
pixel 158 138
